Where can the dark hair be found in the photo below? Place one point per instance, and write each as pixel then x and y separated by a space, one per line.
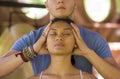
pixel 61 19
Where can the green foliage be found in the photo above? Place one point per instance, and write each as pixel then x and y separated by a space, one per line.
pixel 118 5
pixel 36 1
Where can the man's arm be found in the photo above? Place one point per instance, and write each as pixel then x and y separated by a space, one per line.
pixel 9 63
pixel 112 62
pixel 106 67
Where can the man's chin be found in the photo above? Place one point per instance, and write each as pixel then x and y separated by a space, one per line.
pixel 63 17
pixel 60 16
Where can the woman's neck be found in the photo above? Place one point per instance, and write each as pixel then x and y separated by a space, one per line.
pixel 61 65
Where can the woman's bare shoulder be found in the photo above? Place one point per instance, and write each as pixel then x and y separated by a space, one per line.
pixel 88 76
pixel 34 76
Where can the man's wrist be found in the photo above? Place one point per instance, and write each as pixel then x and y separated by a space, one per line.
pixel 27 54
pixel 90 53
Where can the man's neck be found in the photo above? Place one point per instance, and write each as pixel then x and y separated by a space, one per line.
pixel 70 17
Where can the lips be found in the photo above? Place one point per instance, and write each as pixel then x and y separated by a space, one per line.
pixel 59 44
pixel 60 7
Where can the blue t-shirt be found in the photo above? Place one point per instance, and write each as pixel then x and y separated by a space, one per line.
pixel 92 39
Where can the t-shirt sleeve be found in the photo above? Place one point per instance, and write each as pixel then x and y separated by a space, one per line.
pixel 96 42
pixel 23 42
pixel 27 40
pixel 101 47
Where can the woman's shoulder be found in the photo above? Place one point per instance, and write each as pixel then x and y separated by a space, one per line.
pixel 88 75
pixel 34 76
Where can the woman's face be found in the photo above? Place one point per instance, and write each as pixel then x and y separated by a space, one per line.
pixel 60 39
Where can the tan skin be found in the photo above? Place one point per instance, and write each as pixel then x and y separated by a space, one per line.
pixel 63 9
pixel 110 67
pixel 91 55
pixel 60 43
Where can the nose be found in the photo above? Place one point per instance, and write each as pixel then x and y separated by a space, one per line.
pixel 59 37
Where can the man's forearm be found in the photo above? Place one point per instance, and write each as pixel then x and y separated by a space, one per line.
pixel 104 68
pixel 9 64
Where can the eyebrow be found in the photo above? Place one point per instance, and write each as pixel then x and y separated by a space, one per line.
pixel 64 29
pixel 67 29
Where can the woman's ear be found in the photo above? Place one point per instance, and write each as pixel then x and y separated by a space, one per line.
pixel 75 46
pixel 74 49
pixel 46 47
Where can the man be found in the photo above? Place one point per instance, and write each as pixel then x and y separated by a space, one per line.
pixel 94 49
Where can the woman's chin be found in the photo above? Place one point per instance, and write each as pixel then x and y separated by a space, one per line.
pixel 60 52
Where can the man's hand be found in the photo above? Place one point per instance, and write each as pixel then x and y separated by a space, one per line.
pixel 40 45
pixel 81 48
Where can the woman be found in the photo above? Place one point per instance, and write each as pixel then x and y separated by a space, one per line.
pixel 60 44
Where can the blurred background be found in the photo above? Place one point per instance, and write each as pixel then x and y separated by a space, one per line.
pixel 19 17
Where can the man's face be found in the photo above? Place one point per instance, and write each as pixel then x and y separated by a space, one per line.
pixel 60 8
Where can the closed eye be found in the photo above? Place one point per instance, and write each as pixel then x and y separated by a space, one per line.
pixel 52 33
pixel 66 34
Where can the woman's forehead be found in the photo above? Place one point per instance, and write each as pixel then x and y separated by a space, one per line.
pixel 60 24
